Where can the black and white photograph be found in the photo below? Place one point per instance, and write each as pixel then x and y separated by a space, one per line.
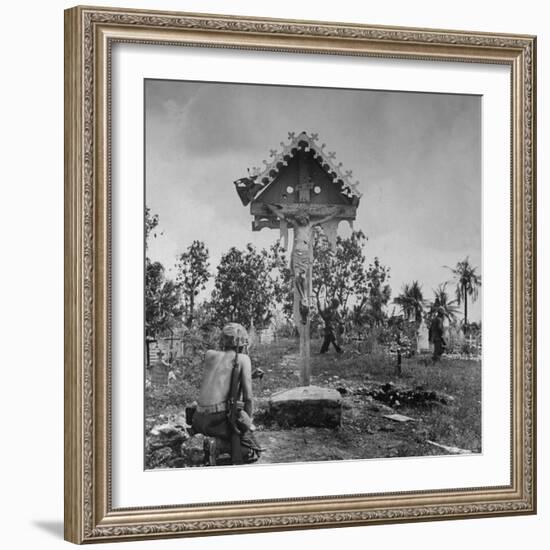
pixel 313 274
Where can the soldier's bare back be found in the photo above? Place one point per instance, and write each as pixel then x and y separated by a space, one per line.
pixel 216 380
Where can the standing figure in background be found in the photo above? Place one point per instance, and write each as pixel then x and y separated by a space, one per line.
pixel 334 327
pixel 436 335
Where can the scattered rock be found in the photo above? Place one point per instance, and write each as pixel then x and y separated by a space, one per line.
pixel 399 418
pixel 257 374
pixel 170 435
pixel 192 451
pixel 178 462
pixel 450 449
pixel 180 421
pixel 159 457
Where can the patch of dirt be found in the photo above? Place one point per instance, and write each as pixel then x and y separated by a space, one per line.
pixel 364 433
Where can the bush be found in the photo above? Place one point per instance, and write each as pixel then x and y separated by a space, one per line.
pixel 467 349
pixel 172 398
pixel 197 340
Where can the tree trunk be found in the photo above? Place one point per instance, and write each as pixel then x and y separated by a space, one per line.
pixel 398 366
pixel 465 307
pixel 191 311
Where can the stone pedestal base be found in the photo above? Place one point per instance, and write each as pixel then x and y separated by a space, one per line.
pixel 307 406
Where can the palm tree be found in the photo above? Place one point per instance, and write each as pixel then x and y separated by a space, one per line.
pixel 441 300
pixel 467 284
pixel 411 301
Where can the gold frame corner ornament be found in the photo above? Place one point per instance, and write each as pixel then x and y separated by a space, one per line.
pixel 89 35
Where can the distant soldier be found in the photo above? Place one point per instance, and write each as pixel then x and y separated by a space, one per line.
pixel 436 335
pixel 334 327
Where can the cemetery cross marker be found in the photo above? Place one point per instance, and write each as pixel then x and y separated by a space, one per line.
pixel 301 187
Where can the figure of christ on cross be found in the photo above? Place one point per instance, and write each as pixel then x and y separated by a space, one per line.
pixel 301 258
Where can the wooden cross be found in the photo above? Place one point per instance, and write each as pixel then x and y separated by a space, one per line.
pixel 304 190
pixel 305 184
pixel 297 172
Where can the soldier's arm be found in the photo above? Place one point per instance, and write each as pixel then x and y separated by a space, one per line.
pixel 246 383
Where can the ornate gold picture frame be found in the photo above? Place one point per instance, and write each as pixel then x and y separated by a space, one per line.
pixel 90 34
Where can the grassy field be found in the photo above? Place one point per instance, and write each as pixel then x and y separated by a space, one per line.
pixel 365 432
pixel 456 424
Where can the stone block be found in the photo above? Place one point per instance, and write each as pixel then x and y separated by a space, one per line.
pixel 307 406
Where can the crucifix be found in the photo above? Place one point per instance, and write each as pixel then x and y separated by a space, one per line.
pixel 301 259
pixel 300 189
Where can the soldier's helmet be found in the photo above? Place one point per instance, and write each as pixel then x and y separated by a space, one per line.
pixel 234 336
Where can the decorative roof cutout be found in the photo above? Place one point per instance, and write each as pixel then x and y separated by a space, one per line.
pixel 259 179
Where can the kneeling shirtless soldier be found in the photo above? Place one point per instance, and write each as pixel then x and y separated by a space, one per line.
pixel 224 409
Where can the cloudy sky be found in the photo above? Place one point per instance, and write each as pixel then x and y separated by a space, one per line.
pixel 417 157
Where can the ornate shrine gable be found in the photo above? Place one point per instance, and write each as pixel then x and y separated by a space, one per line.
pixel 301 172
pixel 317 186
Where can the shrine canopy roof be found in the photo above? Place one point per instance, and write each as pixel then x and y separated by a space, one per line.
pixel 259 179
